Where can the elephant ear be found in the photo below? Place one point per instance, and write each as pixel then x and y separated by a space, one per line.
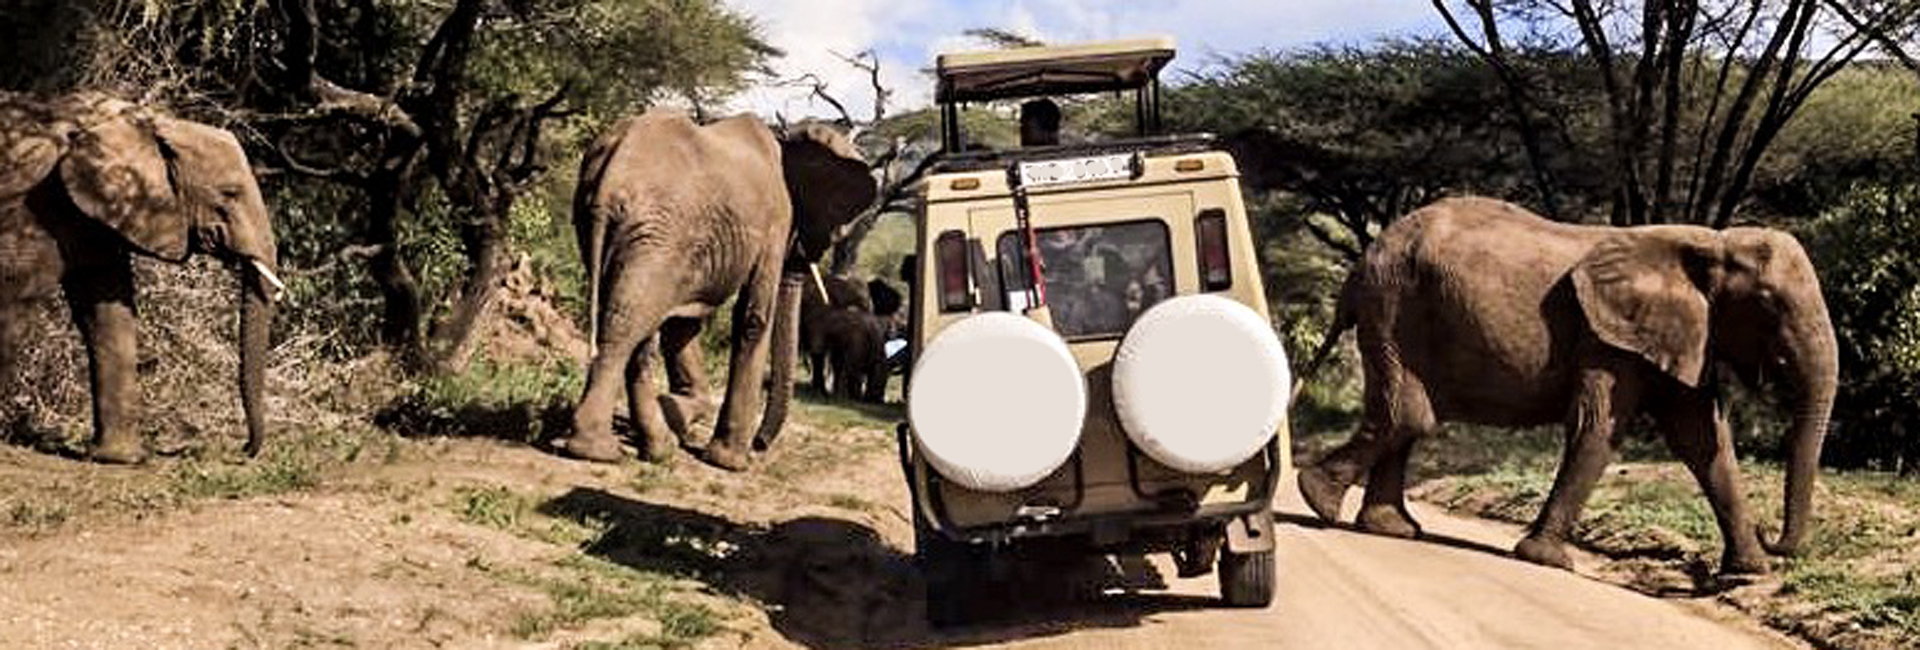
pixel 828 180
pixel 120 173
pixel 1643 293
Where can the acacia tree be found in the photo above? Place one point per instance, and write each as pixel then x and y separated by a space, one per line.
pixel 419 120
pixel 456 115
pixel 1695 91
pixel 1354 137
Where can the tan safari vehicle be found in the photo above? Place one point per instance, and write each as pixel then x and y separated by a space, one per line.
pixel 1094 367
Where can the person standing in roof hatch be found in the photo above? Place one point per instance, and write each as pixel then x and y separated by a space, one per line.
pixel 1039 123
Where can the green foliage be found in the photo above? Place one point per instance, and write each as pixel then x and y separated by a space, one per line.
pixel 1872 284
pixel 488 383
pixel 1360 132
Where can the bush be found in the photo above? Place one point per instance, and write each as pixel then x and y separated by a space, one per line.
pixel 1872 285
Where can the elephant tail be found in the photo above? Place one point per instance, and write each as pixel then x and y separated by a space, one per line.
pixel 591 220
pixel 1343 320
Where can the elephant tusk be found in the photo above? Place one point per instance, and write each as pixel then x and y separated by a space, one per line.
pixel 273 281
pixel 819 284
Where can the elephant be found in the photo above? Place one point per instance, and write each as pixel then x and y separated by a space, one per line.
pixel 886 299
pixel 1475 310
pixel 86 182
pixel 675 217
pixel 854 344
pixel 836 321
pixel 833 292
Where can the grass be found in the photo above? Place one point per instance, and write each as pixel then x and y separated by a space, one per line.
pixel 1855 584
pixel 583 589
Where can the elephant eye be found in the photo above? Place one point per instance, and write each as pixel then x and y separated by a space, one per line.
pixel 230 193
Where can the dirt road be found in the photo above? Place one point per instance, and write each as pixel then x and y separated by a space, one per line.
pixel 1340 589
pixel 474 543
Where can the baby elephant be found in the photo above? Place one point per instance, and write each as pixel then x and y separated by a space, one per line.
pixel 1475 310
pixel 855 343
pixel 844 332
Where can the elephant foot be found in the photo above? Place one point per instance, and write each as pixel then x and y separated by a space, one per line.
pixel 1387 519
pixel 1737 571
pixel 682 413
pixel 603 448
pixel 727 456
pixel 119 452
pixel 659 447
pixel 1322 493
pixel 1542 551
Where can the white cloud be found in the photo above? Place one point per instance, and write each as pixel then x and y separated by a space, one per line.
pixel 909 33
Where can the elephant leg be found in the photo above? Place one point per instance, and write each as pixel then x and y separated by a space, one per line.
pixel 629 315
pixel 747 369
pixel 817 361
pixel 846 375
pixel 1397 410
pixel 1603 401
pixel 1696 429
pixel 876 373
pixel 1384 510
pixel 14 405
pixel 686 401
pixel 657 437
pixel 101 299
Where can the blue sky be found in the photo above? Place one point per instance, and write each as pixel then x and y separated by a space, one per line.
pixel 908 33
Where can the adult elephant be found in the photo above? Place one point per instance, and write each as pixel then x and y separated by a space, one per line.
pixel 1475 310
pixel 87 181
pixel 676 217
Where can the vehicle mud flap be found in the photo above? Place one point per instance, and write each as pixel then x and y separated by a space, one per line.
pixel 1250 533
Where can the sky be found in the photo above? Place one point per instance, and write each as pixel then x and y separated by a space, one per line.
pixel 907 34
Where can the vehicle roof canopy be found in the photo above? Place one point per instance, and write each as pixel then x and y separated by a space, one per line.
pixel 1063 69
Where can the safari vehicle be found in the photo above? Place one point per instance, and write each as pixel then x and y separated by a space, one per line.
pixel 1095 370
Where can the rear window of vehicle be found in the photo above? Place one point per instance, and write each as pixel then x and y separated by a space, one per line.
pixel 1099 277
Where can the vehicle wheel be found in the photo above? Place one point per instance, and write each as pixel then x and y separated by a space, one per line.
pixel 1246 579
pixel 955 577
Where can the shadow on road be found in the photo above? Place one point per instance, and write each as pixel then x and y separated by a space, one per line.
pixel 833 583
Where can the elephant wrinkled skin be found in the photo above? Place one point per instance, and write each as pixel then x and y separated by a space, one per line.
pixel 1474 310
pixel 673 219
pixel 86 181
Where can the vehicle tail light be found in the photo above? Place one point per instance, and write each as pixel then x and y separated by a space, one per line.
pixel 956 290
pixel 1210 228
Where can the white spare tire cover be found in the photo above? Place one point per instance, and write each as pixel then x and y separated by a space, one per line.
pixel 1200 383
pixel 997 402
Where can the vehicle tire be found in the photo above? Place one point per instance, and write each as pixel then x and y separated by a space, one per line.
pixel 955 579
pixel 1246 579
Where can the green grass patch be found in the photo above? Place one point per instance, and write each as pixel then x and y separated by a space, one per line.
pixel 502 508
pixel 489 383
pixel 522 402
pixel 583 589
pixel 288 465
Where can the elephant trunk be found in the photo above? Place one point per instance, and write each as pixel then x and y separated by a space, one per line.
pixel 785 346
pixel 257 285
pixel 1816 378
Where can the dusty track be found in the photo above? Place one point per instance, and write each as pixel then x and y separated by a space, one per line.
pixel 378 559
